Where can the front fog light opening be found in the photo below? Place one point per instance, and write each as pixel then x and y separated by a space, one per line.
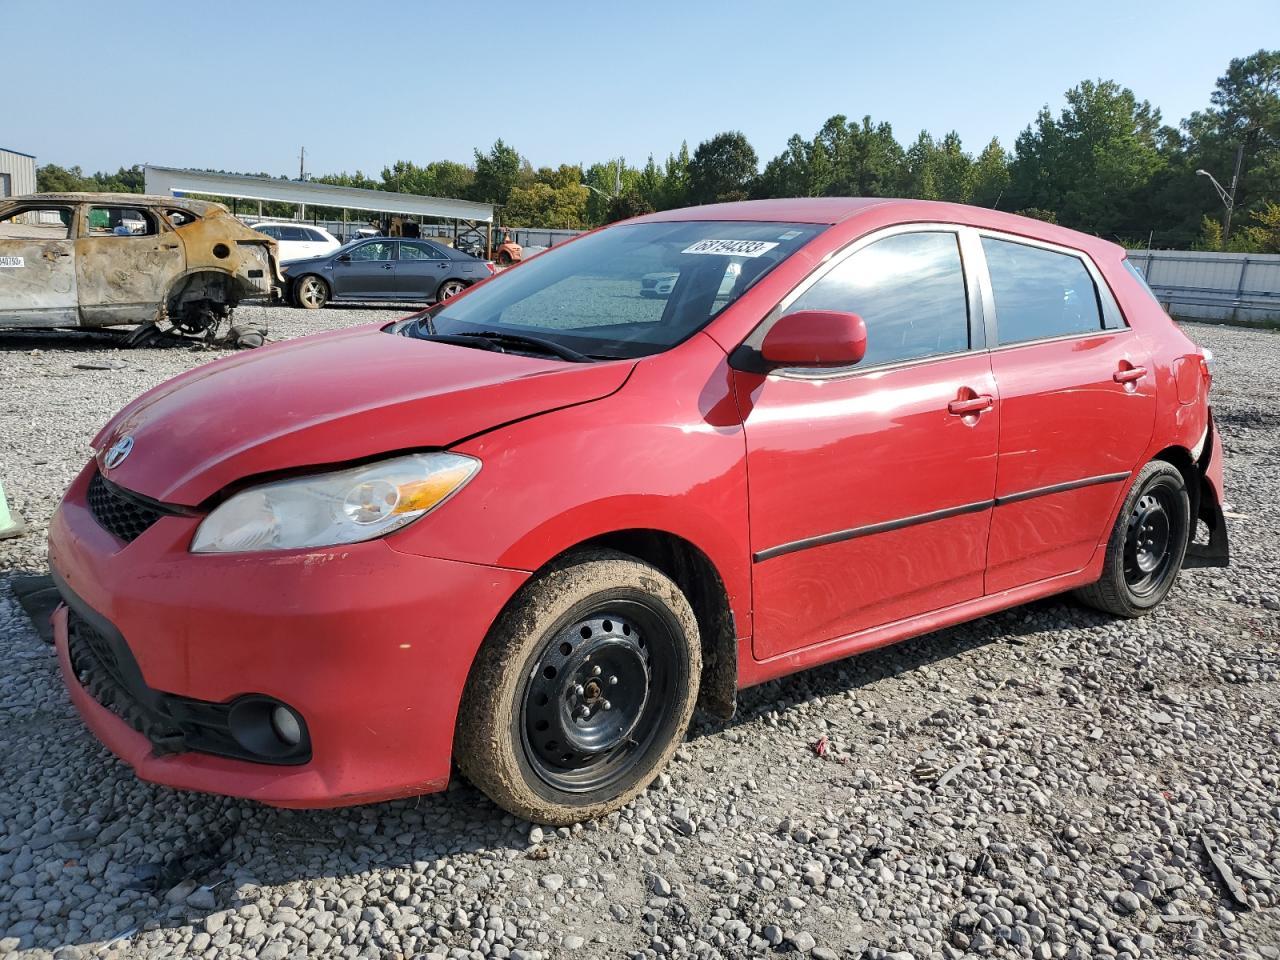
pixel 269 730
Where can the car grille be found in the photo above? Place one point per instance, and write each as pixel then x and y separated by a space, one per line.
pixel 107 671
pixel 125 517
pixel 105 667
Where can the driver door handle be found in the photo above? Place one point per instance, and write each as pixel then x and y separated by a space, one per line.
pixel 965 408
pixel 1129 374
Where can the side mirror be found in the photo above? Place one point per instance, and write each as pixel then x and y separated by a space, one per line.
pixel 345 258
pixel 815 338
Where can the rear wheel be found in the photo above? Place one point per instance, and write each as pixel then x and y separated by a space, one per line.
pixel 311 292
pixel 450 288
pixel 582 692
pixel 1147 544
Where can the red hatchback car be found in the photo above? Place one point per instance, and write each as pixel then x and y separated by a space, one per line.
pixel 529 529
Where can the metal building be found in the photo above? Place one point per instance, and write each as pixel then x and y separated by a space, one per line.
pixel 17 173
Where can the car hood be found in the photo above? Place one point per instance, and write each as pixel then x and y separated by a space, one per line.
pixel 330 399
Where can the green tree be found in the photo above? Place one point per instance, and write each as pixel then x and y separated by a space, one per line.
pixel 675 179
pixel 722 169
pixel 52 178
pixel 990 175
pixel 497 173
pixel 627 204
pixel 1092 163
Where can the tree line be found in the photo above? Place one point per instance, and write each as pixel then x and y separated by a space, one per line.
pixel 1105 163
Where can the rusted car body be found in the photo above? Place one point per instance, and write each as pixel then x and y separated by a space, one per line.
pixel 103 259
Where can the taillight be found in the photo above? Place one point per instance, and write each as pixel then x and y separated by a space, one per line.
pixel 1206 367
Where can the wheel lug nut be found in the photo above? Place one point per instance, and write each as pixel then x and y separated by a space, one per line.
pixel 596 671
pixel 606 704
pixel 577 690
pixel 613 681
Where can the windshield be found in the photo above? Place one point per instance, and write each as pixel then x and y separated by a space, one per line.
pixel 629 291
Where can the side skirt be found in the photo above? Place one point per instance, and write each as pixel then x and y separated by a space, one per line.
pixel 752 671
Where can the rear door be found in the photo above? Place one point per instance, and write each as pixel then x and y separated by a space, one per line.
pixel 420 270
pixel 367 271
pixel 37 266
pixel 871 487
pixel 1078 407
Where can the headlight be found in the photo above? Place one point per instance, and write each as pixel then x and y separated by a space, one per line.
pixel 347 506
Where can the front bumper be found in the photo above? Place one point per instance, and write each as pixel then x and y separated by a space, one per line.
pixel 370 645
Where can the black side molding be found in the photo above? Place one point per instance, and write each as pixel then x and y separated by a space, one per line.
pixel 852 533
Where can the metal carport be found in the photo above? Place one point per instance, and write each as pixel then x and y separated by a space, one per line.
pixel 174 181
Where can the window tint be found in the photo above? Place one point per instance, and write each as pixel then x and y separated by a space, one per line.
pixel 296 234
pixel 908 289
pixel 315 236
pixel 120 222
pixel 377 250
pixel 37 223
pixel 272 232
pixel 1039 293
pixel 419 251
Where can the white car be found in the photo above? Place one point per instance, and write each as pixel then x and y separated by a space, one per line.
pixel 660 285
pixel 299 240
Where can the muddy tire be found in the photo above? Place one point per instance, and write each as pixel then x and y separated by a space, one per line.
pixel 1147 544
pixel 582 691
pixel 449 289
pixel 310 292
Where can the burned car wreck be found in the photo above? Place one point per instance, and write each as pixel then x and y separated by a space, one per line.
pixel 92 260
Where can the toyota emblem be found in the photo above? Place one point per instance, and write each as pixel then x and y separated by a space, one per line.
pixel 118 452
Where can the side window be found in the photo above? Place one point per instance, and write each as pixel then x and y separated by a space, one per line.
pixel 293 234
pixel 272 232
pixel 1039 293
pixel 121 222
pixel 36 223
pixel 419 251
pixel 376 250
pixel 315 236
pixel 180 218
pixel 909 290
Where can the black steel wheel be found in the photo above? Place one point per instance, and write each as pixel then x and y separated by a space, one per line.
pixel 1147 544
pixel 583 690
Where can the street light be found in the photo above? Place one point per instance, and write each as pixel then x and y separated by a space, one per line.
pixel 1228 197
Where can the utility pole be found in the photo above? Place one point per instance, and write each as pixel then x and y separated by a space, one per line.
pixel 302 175
pixel 1235 180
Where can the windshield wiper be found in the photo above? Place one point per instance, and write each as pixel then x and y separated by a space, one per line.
pixel 497 338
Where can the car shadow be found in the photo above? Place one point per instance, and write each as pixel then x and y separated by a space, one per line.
pixel 235 846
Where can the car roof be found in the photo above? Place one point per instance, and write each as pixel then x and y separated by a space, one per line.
pixel 883 211
pixel 123 199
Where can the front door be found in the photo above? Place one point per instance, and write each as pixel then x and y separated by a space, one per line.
pixel 367 271
pixel 37 266
pixel 1078 406
pixel 126 261
pixel 871 487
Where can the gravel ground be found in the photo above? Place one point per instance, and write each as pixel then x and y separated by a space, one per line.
pixel 1042 783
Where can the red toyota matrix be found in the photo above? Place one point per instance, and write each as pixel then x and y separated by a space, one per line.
pixel 531 528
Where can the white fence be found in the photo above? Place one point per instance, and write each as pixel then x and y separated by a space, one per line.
pixel 1232 287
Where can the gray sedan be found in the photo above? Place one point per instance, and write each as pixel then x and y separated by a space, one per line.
pixel 383 268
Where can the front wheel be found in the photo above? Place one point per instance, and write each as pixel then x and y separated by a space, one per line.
pixel 311 292
pixel 582 691
pixel 1147 544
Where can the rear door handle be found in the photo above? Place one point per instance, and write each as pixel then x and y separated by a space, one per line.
pixel 1129 374
pixel 964 408
pixel 388 266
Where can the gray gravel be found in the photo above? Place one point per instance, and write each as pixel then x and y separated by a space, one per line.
pixel 1042 783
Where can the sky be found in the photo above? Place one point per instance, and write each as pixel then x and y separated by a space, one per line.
pixel 244 85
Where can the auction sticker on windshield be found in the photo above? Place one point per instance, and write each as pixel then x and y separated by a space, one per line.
pixel 731 248
pixel 12 262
